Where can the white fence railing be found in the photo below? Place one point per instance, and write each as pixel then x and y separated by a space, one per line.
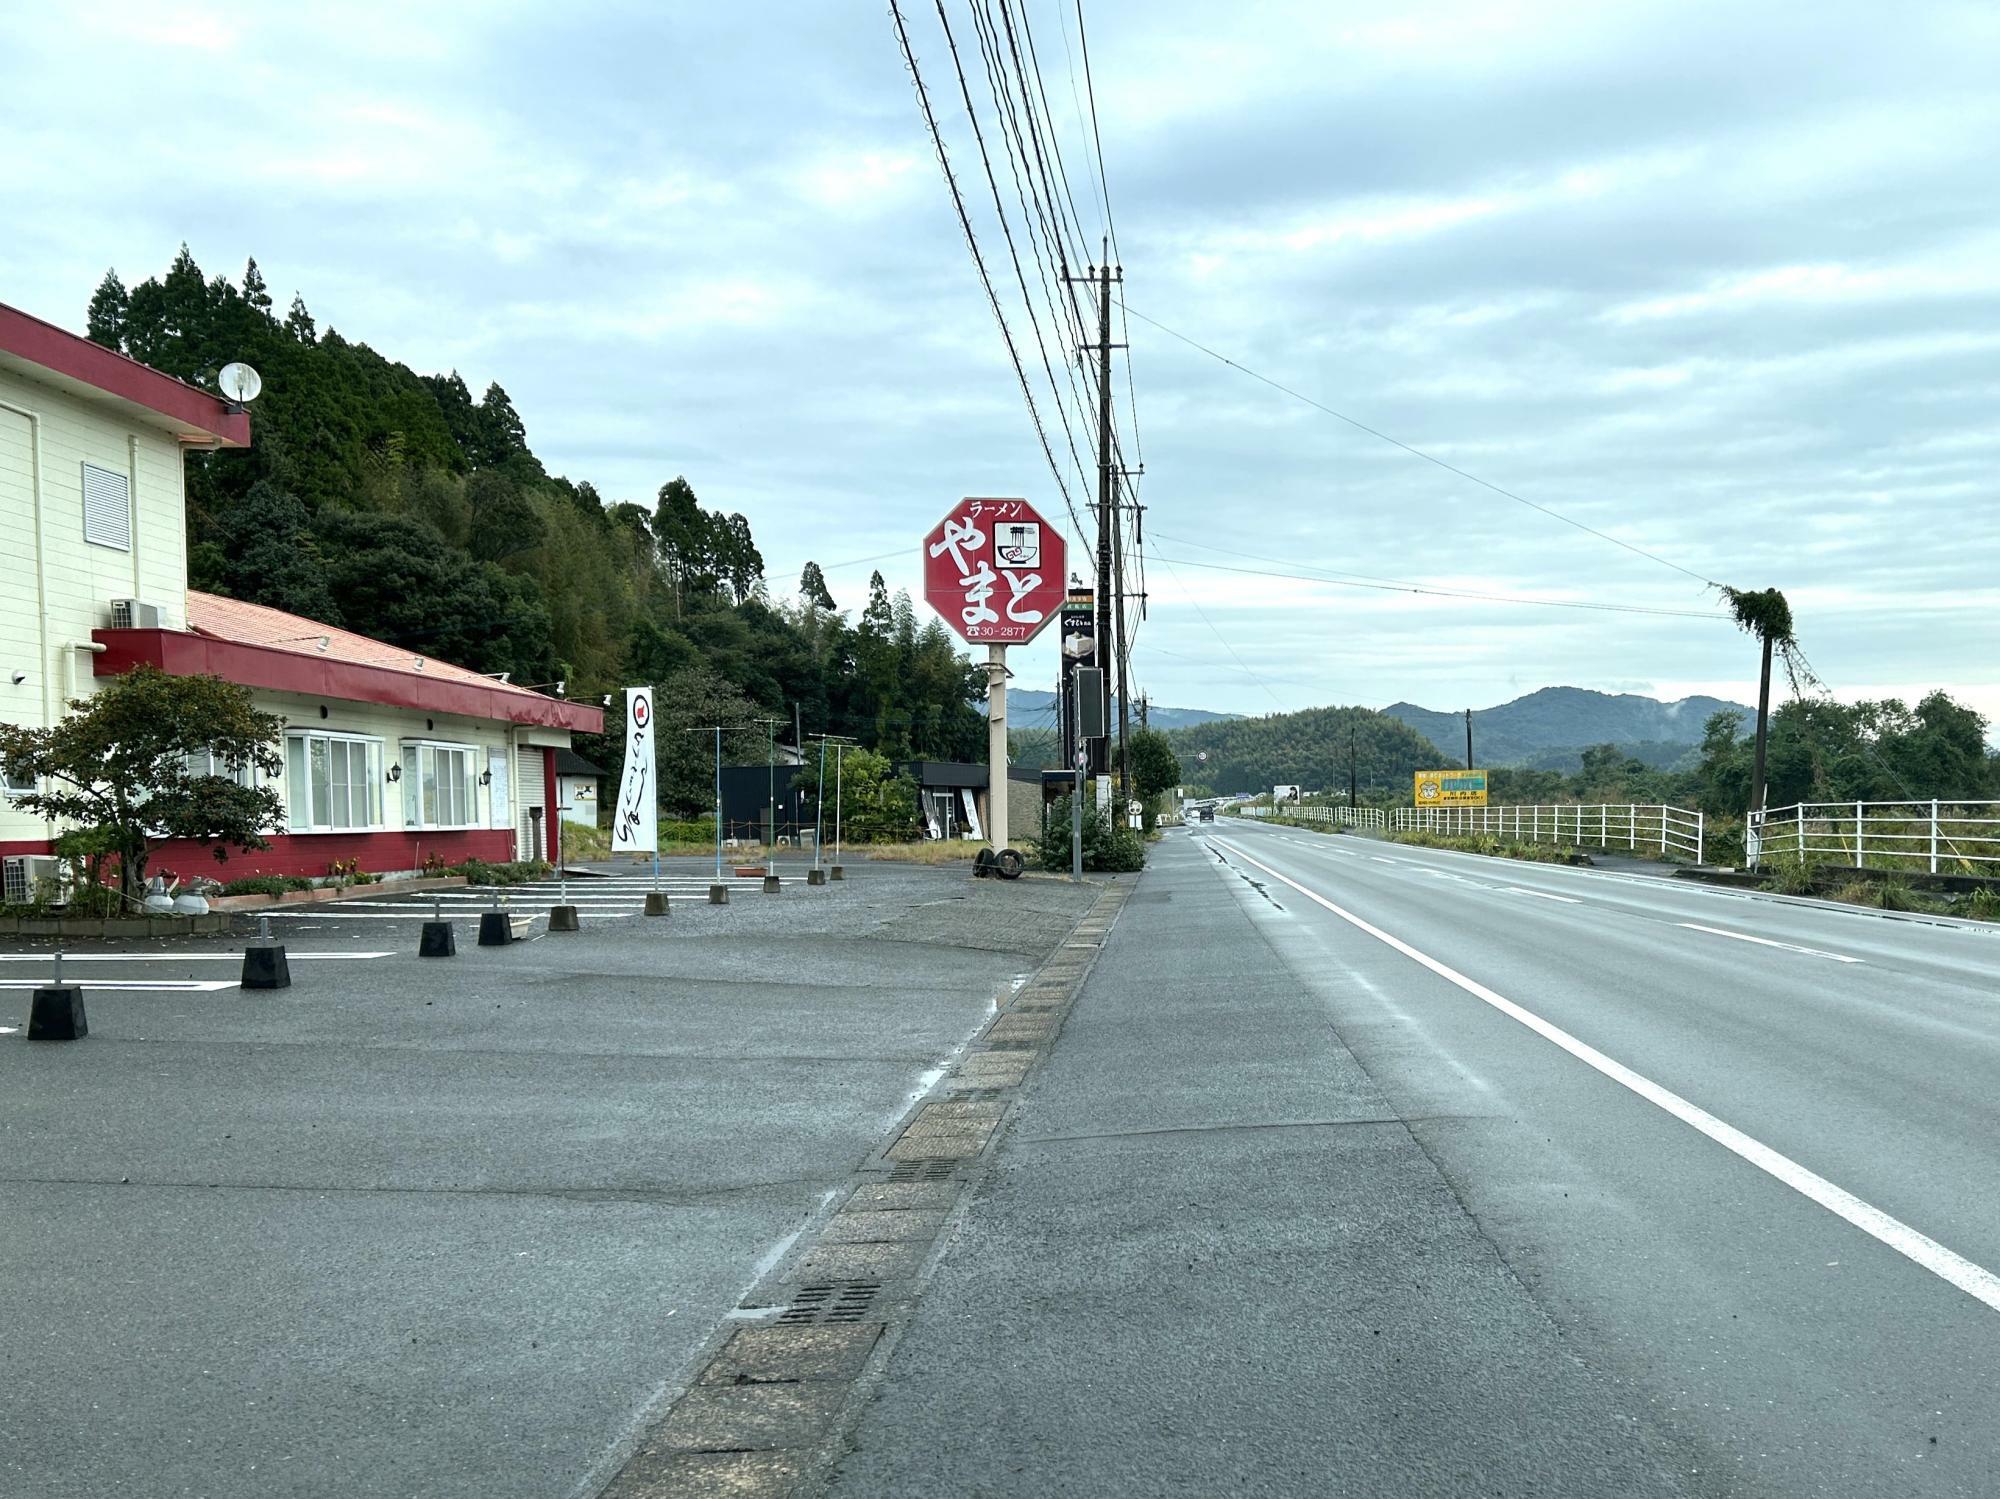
pixel 1340 817
pixel 1668 830
pixel 1934 836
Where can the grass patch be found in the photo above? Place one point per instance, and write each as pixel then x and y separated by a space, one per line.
pixel 1886 895
pixel 1486 843
pixel 930 851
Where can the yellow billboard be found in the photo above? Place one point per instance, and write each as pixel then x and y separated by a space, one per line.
pixel 1451 788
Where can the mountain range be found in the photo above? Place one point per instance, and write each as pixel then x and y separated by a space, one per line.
pixel 1550 728
pixel 1029 709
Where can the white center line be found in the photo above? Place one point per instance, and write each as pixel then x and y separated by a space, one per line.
pixel 1380 860
pixel 1812 952
pixel 1975 1280
pixel 1567 900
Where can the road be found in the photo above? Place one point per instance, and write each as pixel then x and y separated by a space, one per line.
pixel 1653 1188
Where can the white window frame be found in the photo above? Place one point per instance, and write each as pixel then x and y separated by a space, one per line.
pixel 317 812
pixel 204 763
pixel 98 516
pixel 429 788
pixel 10 787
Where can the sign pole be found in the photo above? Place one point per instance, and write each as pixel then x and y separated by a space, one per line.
pixel 836 803
pixel 718 804
pixel 996 746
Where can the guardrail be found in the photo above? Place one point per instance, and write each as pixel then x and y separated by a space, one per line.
pixel 1671 830
pixel 1341 817
pixel 1928 836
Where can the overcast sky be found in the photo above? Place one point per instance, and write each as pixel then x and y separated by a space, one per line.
pixel 1720 280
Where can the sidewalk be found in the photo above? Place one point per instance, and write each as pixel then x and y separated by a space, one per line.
pixel 1209 1259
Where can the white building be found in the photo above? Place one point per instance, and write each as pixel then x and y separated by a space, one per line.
pixel 390 757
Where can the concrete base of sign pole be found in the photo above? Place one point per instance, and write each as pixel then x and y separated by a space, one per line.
pixel 57 1014
pixel 495 930
pixel 718 895
pixel 562 918
pixel 836 872
pixel 815 876
pixel 439 940
pixel 265 967
pixel 771 884
pixel 656 902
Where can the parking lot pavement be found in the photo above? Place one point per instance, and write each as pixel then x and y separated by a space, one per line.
pixel 447 1226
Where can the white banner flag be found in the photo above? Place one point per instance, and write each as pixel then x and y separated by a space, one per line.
pixel 635 821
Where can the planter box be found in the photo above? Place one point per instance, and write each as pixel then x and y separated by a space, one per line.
pixel 748 871
pixel 352 892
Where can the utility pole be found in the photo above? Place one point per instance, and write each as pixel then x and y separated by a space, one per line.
pixel 1763 726
pixel 1103 275
pixel 1468 739
pixel 1352 800
pixel 1119 649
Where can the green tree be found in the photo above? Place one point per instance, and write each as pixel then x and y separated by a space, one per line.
pixel 256 294
pixel 812 588
pixel 105 322
pixel 299 323
pixel 877 803
pixel 1156 770
pixel 1109 845
pixel 116 768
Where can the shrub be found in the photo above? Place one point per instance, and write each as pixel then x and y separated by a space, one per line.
pixel 1109 847
pixel 266 884
pixel 1982 904
pixel 479 872
pixel 1787 874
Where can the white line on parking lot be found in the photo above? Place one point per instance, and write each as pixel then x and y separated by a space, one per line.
pixel 1919 1248
pixel 1811 952
pixel 183 957
pixel 179 986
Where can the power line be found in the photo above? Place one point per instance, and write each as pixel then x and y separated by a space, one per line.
pixel 1189 596
pixel 1097 140
pixel 978 260
pixel 1445 593
pixel 1417 452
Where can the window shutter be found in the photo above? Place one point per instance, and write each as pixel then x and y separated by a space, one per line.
pixel 107 508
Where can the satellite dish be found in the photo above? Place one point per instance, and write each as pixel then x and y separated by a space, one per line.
pixel 239 382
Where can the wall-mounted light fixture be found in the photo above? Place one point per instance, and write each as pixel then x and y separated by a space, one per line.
pixel 395 773
pixel 20 677
pixel 486 778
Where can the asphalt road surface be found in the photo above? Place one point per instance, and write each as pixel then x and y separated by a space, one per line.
pixel 1364 1169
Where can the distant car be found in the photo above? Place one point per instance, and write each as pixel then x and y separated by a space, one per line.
pixel 1208 814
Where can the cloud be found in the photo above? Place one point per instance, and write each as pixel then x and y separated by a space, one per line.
pixel 1717 280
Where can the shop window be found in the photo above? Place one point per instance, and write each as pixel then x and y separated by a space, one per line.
pixel 333 782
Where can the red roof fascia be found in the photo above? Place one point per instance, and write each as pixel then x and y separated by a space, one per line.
pixel 181 654
pixel 66 354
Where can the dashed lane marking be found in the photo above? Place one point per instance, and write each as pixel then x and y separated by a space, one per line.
pixel 1568 900
pixel 1811 952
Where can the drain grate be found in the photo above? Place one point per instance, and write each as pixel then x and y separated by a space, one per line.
pixel 832 1301
pixel 923 1169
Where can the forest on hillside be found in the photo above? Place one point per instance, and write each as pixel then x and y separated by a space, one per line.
pixel 399 505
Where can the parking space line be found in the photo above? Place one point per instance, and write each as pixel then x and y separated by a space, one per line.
pixel 177 986
pixel 184 957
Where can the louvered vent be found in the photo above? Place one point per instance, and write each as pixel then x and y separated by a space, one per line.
pixel 107 508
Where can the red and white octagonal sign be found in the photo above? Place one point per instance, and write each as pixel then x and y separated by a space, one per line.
pixel 995 570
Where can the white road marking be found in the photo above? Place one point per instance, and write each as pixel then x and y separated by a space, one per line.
pixel 1380 860
pixel 183 957
pixel 1919 1248
pixel 1541 894
pixel 179 986
pixel 1811 952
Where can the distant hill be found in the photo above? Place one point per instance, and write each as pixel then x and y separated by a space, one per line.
pixel 1546 728
pixel 1308 748
pixel 1029 709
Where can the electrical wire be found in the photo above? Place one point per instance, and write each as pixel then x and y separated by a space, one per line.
pixel 979 261
pixel 1417 452
pixel 1446 593
pixel 1189 596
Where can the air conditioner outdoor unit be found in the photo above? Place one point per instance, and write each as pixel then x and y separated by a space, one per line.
pixel 25 877
pixel 132 614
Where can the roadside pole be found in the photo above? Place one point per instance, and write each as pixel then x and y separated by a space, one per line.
pixel 819 804
pixel 837 749
pixel 1076 816
pixel 996 747
pixel 718 804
